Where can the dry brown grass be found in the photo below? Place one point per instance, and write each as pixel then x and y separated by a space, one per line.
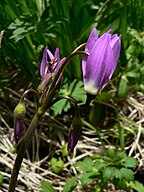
pixel 32 173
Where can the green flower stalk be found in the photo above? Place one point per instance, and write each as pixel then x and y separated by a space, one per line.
pixel 51 73
pixel 98 64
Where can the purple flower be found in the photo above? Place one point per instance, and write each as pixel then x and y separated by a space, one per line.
pixel 99 66
pixel 50 64
pixel 47 67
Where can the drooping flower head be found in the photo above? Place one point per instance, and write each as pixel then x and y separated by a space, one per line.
pixel 19 114
pixel 99 66
pixel 49 65
pixel 75 133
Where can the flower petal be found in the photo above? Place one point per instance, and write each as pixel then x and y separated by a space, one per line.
pixel 91 40
pixel 95 65
pixel 57 54
pixel 116 45
pixel 89 45
pixel 109 67
pixel 43 63
pixel 50 54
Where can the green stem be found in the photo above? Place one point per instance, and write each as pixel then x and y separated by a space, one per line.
pixel 23 147
pixel 27 139
pixel 120 128
pixel 33 125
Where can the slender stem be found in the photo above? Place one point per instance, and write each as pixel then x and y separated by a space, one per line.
pixel 23 147
pixel 120 128
pixel 27 139
pixel 40 111
pixel 73 101
pixel 23 97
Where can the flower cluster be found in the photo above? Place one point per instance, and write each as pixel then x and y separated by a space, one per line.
pixel 99 62
pixel 50 67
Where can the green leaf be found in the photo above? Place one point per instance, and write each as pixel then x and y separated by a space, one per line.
pixel 132 76
pixel 74 90
pixel 128 174
pixel 85 165
pixel 86 178
pixel 47 187
pixel 77 91
pixel 56 165
pixel 139 187
pixel 142 87
pixel 64 150
pixel 123 88
pixel 70 184
pixel 130 162
pixel 121 184
pixel 108 173
pixel 62 105
pixel 99 165
pixel 1 178
pixel 117 173
pixel 104 96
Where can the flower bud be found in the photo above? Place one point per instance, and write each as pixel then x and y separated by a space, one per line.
pixel 75 132
pixel 19 114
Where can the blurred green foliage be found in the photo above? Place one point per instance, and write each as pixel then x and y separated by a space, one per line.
pixel 31 25
pixel 1 178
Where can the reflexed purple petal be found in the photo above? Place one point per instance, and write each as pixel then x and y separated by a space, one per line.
pixel 109 68
pixel 57 54
pixel 116 45
pixel 50 54
pixel 95 64
pixel 43 63
pixel 91 40
pixel 109 31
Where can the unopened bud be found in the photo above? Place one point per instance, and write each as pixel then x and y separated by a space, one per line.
pixel 19 114
pixel 75 132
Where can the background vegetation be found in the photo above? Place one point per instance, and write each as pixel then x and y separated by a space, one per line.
pixel 114 125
